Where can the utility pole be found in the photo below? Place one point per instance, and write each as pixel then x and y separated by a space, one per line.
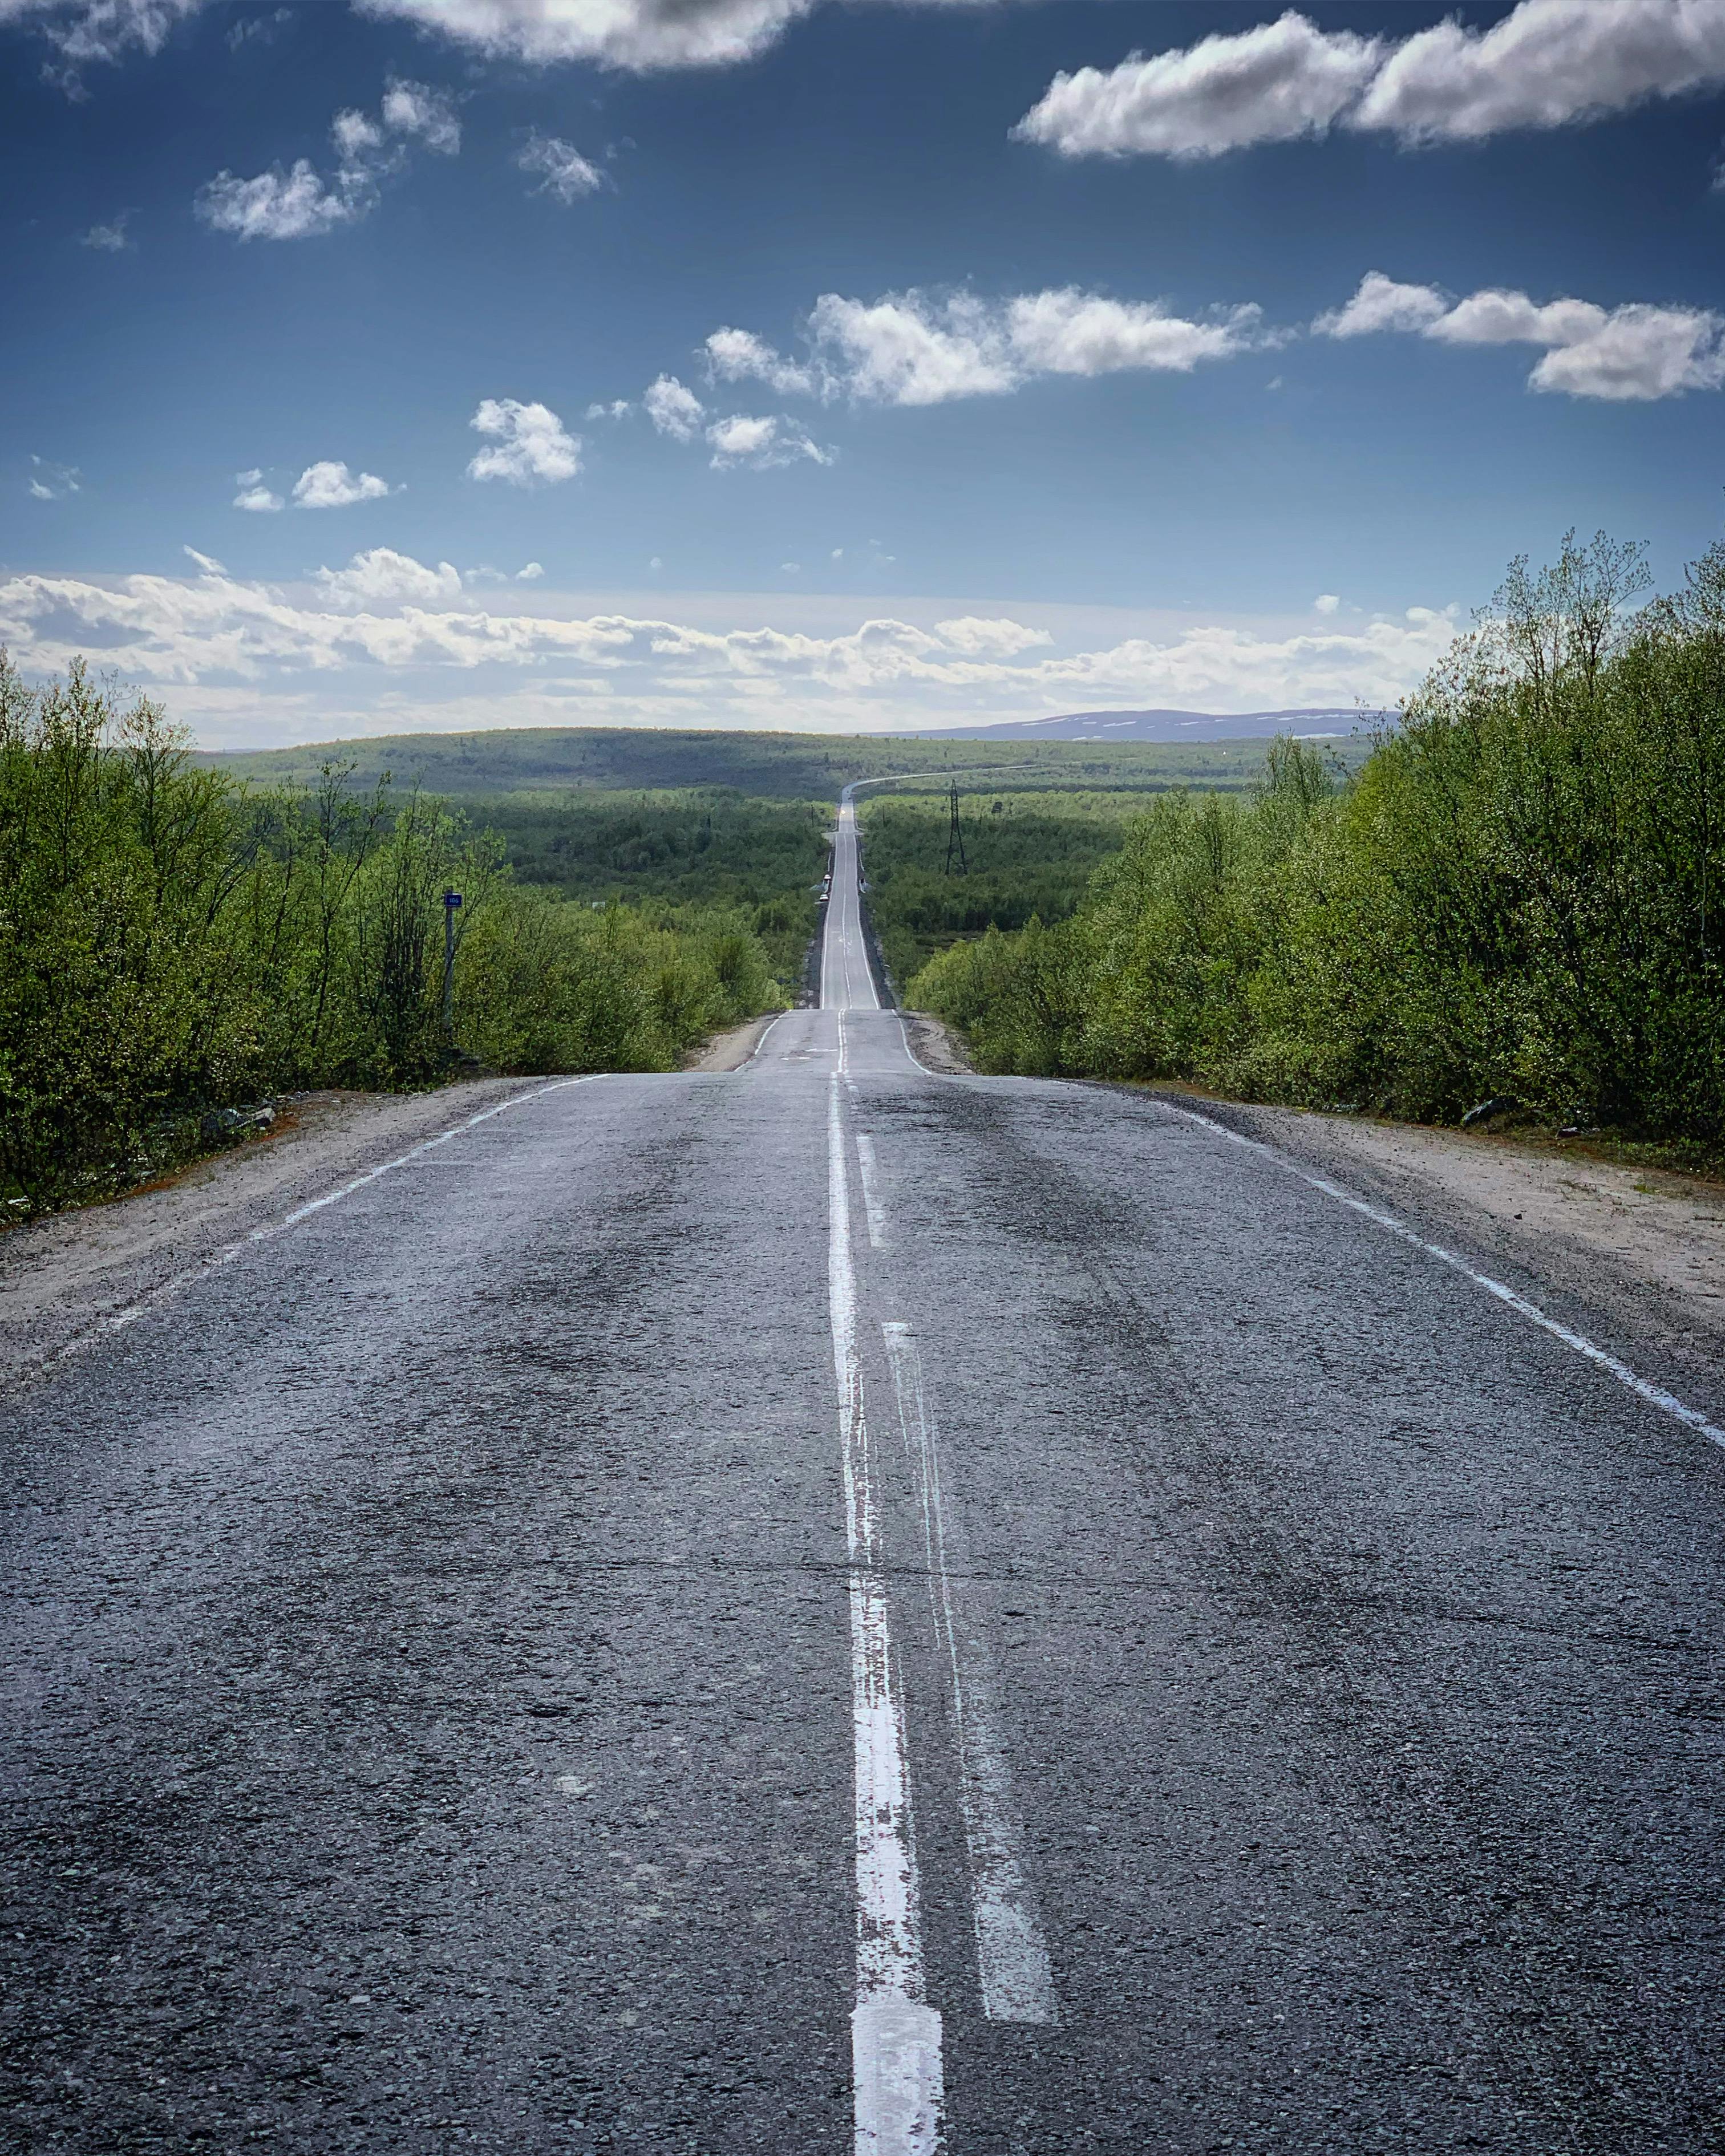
pixel 955 838
pixel 452 899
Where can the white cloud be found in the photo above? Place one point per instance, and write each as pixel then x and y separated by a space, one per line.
pixel 1382 304
pixel 82 30
pixel 673 409
pixel 528 445
pixel 1635 353
pixel 356 135
pixel 109 238
pixel 530 573
pixel 618 408
pixel 53 482
pixel 913 348
pixel 637 34
pixel 978 637
pixel 739 355
pixel 415 108
pixel 254 495
pixel 329 486
pixel 1327 603
pixel 562 171
pixel 207 562
pixel 300 203
pixel 1547 64
pixel 761 442
pixel 908 349
pixel 383 577
pixel 1073 332
pixel 792 568
pixel 233 646
pixel 1270 84
pixel 275 204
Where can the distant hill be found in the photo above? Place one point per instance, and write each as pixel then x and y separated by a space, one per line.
pixel 1112 727
pixel 783 766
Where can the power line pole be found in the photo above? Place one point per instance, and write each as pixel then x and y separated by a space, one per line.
pixel 955 838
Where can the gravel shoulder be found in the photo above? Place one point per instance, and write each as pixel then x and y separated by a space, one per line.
pixel 64 1277
pixel 935 1046
pixel 730 1051
pixel 1645 1246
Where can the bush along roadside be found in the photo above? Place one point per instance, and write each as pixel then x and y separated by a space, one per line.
pixel 173 946
pixel 1517 901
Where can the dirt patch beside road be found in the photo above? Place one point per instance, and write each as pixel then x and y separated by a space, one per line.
pixel 935 1046
pixel 730 1051
pixel 66 1276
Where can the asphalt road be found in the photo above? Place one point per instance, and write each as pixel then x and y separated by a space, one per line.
pixel 824 1607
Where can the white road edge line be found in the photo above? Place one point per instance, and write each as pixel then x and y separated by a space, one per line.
pixel 1643 1388
pixel 273 1227
pixel 1012 1953
pixel 895 2034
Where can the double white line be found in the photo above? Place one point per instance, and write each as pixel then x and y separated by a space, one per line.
pixel 898 2075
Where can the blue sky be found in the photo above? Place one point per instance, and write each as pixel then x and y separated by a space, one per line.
pixel 1054 381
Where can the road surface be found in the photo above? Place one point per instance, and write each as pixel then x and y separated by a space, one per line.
pixel 827 1607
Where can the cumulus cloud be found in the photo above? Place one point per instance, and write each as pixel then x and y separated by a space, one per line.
pixel 1547 64
pixel 109 238
pixel 526 446
pixel 739 355
pixel 85 30
pixel 383 577
pixel 529 573
pixel 372 628
pixel 300 203
pixel 1270 84
pixel 761 443
pixel 1382 304
pixel 1327 603
pixel 640 35
pixel 295 204
pixel 562 171
pixel 913 348
pixel 53 482
pixel 674 409
pixel 254 495
pixel 330 485
pixel 416 109
pixel 208 562
pixel 1635 353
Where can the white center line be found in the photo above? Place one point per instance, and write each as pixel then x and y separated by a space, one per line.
pixel 1012 1953
pixel 895 2034
pixel 871 1197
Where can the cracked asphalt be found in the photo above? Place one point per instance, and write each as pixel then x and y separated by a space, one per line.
pixel 429 1713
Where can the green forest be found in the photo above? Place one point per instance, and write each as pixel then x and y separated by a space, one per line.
pixel 1515 900
pixel 171 943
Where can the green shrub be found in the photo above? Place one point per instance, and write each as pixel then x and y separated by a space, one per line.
pixel 171 943
pixel 1517 897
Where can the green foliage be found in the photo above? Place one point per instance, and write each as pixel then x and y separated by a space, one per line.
pixel 762 767
pixel 171 943
pixel 708 847
pixel 1030 856
pixel 1517 896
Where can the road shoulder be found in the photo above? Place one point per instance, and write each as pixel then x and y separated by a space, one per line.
pixel 1646 1246
pixel 63 1277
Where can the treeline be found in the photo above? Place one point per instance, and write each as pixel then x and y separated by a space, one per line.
pixel 171 943
pixel 707 846
pixel 1517 898
pixel 1026 856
